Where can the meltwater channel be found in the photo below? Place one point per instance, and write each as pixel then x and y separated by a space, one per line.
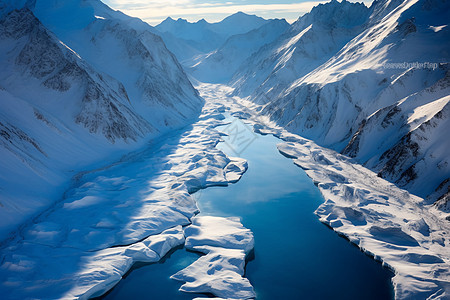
pixel 295 255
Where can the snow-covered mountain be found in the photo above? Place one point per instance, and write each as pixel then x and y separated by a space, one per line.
pixel 128 50
pixel 96 85
pixel 406 142
pixel 220 65
pixel 374 87
pixel 187 40
pixel 311 41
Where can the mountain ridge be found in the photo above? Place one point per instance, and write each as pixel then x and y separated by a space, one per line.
pixel 202 37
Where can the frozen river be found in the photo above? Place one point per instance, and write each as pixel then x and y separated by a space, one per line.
pixel 295 256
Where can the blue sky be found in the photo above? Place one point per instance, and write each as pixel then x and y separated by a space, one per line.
pixel 155 11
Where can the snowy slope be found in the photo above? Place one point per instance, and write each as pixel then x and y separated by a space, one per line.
pixel 406 140
pixel 54 106
pixel 188 40
pixel 183 50
pixel 221 64
pixel 310 41
pixel 60 113
pixel 128 50
pixel 360 79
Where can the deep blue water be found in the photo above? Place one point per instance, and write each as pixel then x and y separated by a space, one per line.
pixel 152 281
pixel 295 256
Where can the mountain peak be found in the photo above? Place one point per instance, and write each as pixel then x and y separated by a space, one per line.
pixel 169 19
pixel 202 21
pixel 238 23
pixel 241 15
pixel 181 20
pixel 335 14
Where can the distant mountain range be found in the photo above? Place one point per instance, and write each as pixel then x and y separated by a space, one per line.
pixel 186 39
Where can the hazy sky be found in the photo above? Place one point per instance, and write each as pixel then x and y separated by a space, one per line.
pixel 154 11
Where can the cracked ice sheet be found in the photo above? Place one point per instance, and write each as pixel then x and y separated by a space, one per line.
pixel 388 223
pixel 225 243
pixel 83 245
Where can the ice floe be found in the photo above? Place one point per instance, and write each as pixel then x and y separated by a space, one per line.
pixel 225 242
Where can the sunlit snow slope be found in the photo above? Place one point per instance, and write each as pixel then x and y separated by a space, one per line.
pixel 340 76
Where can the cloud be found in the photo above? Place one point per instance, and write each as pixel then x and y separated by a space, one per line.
pixel 155 11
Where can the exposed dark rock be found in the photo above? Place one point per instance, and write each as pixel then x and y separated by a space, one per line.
pixel 394 158
pixel 352 147
pixel 407 27
pixel 13 137
pixel 443 200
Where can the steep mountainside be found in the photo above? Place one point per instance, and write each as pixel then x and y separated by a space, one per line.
pixel 310 42
pixel 406 141
pixel 128 50
pixel 61 112
pixel 377 92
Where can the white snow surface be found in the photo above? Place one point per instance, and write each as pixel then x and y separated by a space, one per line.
pixel 309 42
pixel 128 50
pixel 397 228
pixel 225 243
pixel 118 214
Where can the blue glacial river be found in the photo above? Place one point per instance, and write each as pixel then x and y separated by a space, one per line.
pixel 295 256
